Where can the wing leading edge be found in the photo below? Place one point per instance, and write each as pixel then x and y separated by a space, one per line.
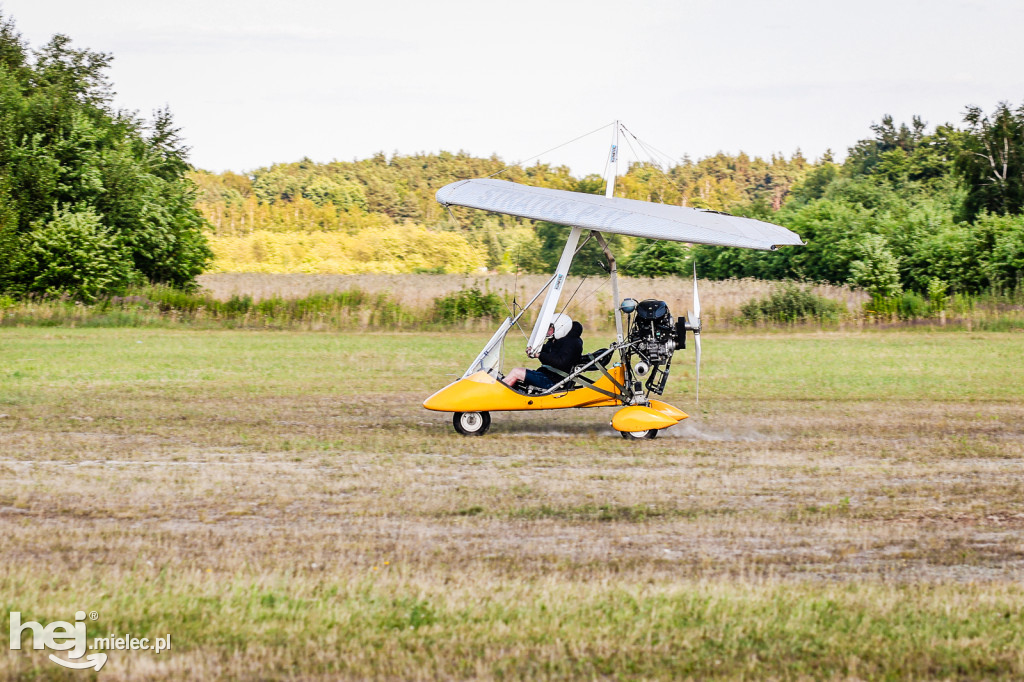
pixel 615 215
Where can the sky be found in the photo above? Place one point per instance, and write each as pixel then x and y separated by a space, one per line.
pixel 260 82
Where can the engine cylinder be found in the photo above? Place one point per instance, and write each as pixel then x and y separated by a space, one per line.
pixel 653 334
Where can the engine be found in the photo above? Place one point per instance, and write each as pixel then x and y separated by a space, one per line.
pixel 654 336
pixel 653 333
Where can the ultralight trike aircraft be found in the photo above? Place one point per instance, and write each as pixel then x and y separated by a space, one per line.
pixel 644 342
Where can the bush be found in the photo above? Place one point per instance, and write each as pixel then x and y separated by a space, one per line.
pixel 909 305
pixel 72 255
pixel 792 303
pixel 877 270
pixel 468 304
pixel 913 305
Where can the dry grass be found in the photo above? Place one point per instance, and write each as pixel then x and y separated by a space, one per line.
pixel 720 300
pixel 283 506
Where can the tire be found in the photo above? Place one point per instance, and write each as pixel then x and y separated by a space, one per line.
pixel 649 434
pixel 471 423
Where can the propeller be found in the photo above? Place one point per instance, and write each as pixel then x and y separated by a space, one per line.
pixel 693 324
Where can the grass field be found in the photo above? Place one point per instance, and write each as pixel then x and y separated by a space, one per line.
pixel 840 506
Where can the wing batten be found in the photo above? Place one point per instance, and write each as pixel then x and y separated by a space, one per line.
pixel 616 215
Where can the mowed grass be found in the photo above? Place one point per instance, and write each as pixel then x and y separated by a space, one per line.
pixel 839 506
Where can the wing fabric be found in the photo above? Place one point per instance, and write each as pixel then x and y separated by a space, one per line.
pixel 615 215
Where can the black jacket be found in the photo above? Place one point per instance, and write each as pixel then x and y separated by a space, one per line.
pixel 563 353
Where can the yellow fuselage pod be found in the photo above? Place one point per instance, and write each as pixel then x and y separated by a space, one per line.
pixel 481 392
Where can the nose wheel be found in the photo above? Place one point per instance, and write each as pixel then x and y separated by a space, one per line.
pixel 471 423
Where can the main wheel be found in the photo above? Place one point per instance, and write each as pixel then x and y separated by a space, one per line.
pixel 472 423
pixel 649 434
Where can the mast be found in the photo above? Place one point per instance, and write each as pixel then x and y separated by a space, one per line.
pixel 613 164
pixel 609 191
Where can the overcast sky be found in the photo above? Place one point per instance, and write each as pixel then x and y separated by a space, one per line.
pixel 257 82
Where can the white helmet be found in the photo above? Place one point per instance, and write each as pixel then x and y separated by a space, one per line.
pixel 562 324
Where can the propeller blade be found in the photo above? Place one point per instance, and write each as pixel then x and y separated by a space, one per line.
pixel 696 327
pixel 696 298
pixel 696 338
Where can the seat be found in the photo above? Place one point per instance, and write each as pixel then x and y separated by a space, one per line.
pixel 589 359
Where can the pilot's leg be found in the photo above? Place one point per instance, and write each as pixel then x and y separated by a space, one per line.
pixel 537 378
pixel 515 376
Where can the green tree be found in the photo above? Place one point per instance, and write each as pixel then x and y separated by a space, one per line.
pixel 891 144
pixel 69 160
pixel 659 258
pixel 992 161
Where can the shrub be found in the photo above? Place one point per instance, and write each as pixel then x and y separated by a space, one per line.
pixel 878 269
pixel 791 303
pixel 72 255
pixel 913 305
pixel 909 305
pixel 468 304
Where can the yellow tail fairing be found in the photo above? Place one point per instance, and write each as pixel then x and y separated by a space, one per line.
pixel 481 392
pixel 642 418
pixel 668 410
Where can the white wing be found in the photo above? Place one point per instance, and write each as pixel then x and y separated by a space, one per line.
pixel 618 216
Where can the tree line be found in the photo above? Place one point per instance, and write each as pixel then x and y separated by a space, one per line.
pixel 390 196
pixel 909 209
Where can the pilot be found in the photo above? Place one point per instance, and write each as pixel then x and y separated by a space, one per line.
pixel 562 350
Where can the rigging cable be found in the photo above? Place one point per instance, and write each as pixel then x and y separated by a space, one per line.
pixel 515 291
pixel 573 294
pixel 594 291
pixel 515 285
pixel 658 158
pixel 630 145
pixel 520 163
pixel 652 150
pixel 580 247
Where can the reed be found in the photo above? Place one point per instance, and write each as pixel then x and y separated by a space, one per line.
pixel 417 302
pixel 721 301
